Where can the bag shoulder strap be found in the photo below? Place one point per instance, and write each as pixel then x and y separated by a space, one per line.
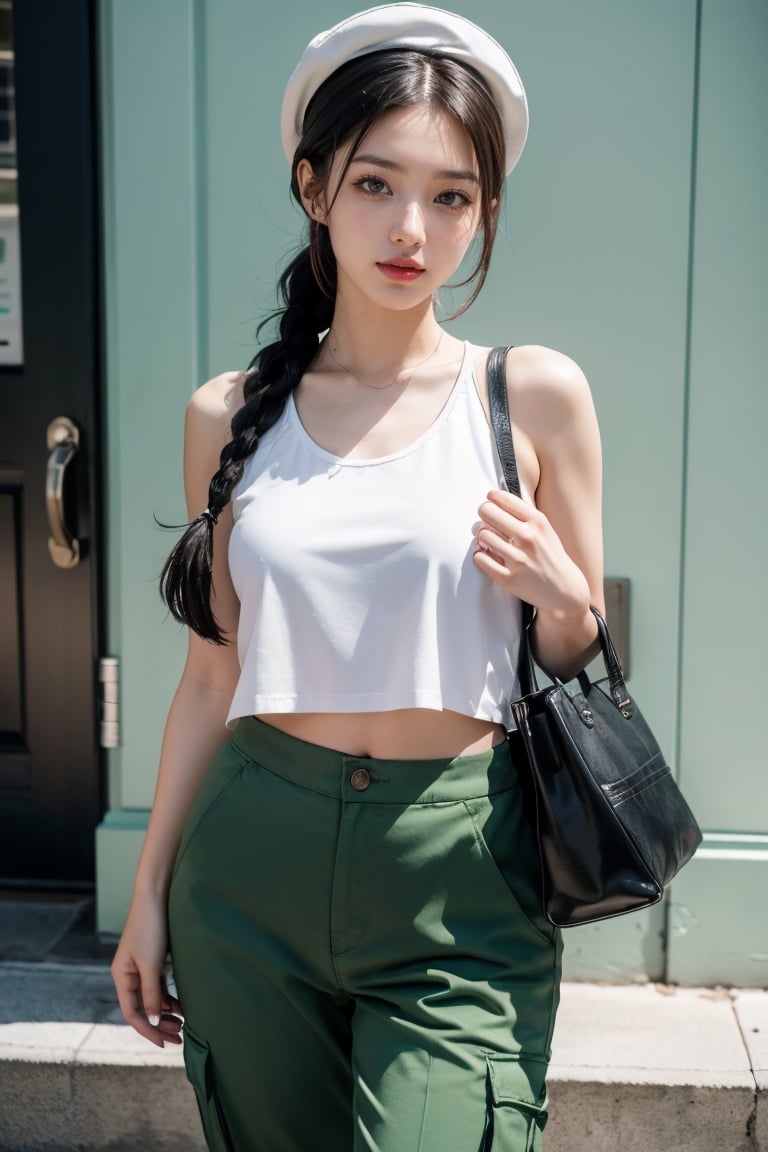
pixel 498 402
pixel 500 421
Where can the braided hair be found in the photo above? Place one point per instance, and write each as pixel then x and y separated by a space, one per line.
pixel 339 115
pixel 275 371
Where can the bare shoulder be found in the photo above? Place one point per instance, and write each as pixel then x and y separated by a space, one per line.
pixel 207 429
pixel 208 418
pixel 212 406
pixel 535 369
pixel 547 390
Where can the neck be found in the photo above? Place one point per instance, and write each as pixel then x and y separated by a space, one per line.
pixel 380 341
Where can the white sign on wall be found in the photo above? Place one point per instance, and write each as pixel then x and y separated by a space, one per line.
pixel 11 351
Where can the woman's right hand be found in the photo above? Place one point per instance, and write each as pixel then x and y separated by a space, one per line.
pixel 137 970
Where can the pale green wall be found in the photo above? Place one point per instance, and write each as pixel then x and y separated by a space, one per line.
pixel 153 360
pixel 720 910
pixel 593 259
pixel 153 306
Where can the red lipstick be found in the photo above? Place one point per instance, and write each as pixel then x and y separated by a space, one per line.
pixel 401 269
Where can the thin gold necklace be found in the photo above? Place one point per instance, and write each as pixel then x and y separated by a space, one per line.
pixel 382 387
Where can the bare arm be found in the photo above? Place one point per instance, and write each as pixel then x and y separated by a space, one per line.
pixel 194 732
pixel 551 555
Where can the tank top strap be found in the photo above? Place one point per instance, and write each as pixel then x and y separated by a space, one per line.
pixel 467 390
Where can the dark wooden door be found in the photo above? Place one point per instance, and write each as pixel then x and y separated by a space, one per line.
pixel 49 604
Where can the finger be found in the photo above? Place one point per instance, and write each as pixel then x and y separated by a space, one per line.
pixel 507 523
pixel 515 505
pixel 128 989
pixel 170 1028
pixel 495 544
pixel 505 549
pixel 492 566
pixel 159 1030
pixel 153 1033
pixel 162 1011
pixel 152 996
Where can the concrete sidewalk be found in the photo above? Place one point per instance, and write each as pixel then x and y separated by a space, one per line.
pixel 635 1069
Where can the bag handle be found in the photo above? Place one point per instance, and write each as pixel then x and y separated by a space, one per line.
pixel 613 667
pixel 498 402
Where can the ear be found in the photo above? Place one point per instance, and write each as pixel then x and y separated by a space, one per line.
pixel 312 195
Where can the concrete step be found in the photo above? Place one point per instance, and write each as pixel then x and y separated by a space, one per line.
pixel 636 1069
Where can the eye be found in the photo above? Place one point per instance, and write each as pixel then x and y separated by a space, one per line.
pixel 373 185
pixel 453 198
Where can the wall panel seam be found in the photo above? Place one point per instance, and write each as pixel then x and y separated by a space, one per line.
pixel 687 387
pixel 200 185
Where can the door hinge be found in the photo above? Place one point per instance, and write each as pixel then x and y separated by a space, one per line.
pixel 109 691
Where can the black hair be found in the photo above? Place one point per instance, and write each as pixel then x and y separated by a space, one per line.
pixel 341 112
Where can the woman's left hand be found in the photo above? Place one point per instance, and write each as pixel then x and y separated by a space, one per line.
pixel 520 550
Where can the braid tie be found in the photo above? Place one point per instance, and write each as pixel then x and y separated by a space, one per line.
pixel 209 516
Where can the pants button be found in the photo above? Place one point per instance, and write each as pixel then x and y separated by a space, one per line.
pixel 360 779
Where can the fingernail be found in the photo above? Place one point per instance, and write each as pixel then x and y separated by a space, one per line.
pixel 154 1020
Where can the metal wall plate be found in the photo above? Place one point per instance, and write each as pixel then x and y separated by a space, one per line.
pixel 109 681
pixel 617 617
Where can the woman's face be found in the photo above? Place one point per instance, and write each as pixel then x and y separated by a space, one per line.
pixel 406 210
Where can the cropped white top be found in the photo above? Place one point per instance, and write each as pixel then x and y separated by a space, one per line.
pixel 358 592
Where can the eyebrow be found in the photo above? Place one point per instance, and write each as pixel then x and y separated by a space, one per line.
pixel 392 165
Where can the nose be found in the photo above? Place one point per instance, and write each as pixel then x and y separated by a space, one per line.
pixel 409 227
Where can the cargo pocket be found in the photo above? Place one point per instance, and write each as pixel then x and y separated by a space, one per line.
pixel 198 1062
pixel 517 1104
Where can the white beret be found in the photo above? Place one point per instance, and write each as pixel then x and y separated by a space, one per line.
pixel 423 29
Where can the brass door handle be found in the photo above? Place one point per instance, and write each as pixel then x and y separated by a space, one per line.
pixel 63 440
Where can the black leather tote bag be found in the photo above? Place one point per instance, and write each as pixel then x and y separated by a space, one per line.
pixel 613 827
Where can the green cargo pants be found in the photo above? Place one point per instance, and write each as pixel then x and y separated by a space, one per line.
pixel 359 953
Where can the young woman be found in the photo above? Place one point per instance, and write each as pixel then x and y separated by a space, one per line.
pixel 347 879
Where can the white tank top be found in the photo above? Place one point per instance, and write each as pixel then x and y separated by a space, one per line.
pixel 358 592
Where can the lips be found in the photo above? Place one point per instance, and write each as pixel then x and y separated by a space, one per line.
pixel 401 269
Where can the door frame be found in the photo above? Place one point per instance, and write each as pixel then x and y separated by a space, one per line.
pixel 55 46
